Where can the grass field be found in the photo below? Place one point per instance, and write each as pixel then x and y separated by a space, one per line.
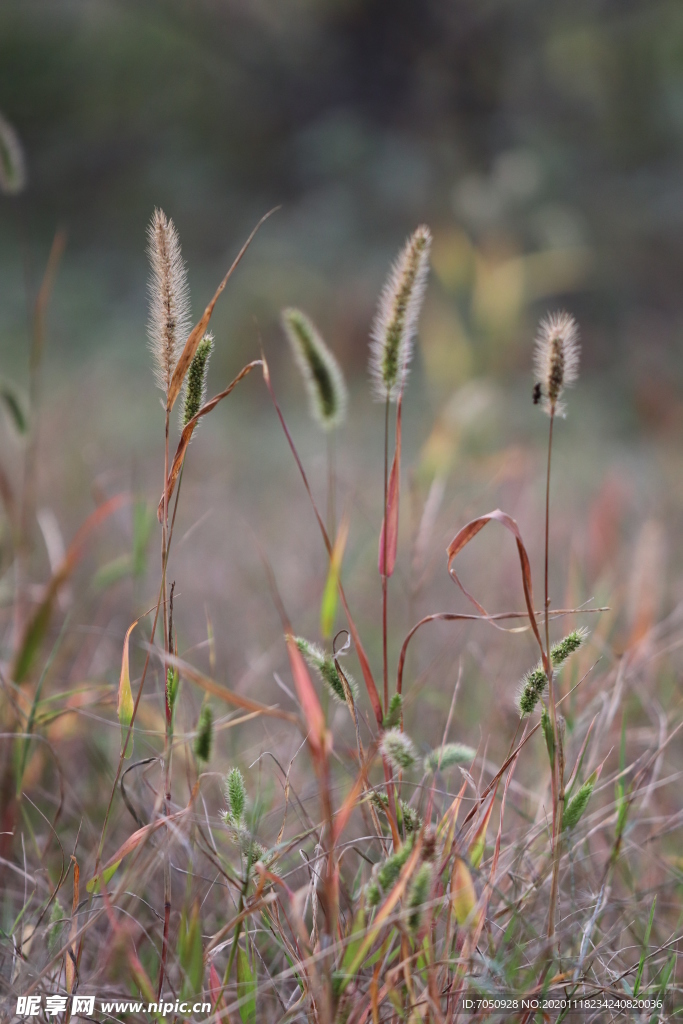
pixel 357 826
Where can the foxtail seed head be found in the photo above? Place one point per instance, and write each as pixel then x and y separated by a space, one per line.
pixel 535 681
pixel 327 670
pixel 395 323
pixel 556 360
pixel 398 749
pixel 418 894
pixel 169 310
pixel 194 385
pixel 393 715
pixel 320 370
pixel 204 738
pixel 385 875
pixel 236 797
pixel 448 755
pixel 12 167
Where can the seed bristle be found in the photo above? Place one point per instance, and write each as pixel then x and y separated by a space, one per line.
pixel 395 324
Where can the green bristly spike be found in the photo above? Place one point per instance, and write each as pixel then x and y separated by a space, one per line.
pixel 575 808
pixel 195 382
pixel 320 370
pixel 393 715
pixel 204 738
pixel 535 681
pixel 235 795
pixel 327 670
pixel 172 680
pixel 398 749
pixel 418 895
pixel 448 755
pixel 387 874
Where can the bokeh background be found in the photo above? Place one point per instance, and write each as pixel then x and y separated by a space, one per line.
pixel 541 141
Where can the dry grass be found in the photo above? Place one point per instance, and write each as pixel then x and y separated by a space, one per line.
pixel 354 884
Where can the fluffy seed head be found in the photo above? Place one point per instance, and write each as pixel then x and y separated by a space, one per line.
pixel 204 738
pixel 411 820
pixel 169 310
pixel 448 755
pixel 12 167
pixel 320 370
pixel 395 323
pixel 406 816
pixel 327 670
pixel 556 360
pixel 194 385
pixel 398 749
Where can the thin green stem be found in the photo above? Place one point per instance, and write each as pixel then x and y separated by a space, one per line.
pixel 385 662
pixel 168 736
pixel 138 698
pixel 556 766
pixel 331 486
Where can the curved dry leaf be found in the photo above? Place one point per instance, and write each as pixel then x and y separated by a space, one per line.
pixel 187 434
pixel 470 531
pixel 198 332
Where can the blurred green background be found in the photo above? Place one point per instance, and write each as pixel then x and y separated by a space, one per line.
pixel 541 141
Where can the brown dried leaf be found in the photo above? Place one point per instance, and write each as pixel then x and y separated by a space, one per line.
pixel 470 531
pixel 229 696
pixel 198 332
pixel 187 434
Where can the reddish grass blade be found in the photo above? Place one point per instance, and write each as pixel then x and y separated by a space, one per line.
pixel 229 696
pixel 188 429
pixel 391 524
pixel 215 986
pixel 470 531
pixel 351 801
pixel 134 840
pixel 308 698
pixel 199 330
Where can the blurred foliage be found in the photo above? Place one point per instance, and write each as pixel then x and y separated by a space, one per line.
pixel 541 141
